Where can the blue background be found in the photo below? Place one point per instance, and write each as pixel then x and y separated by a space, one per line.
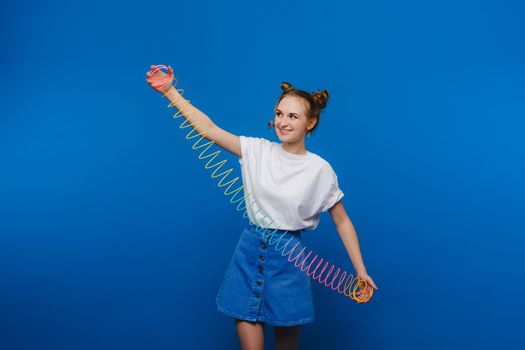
pixel 113 235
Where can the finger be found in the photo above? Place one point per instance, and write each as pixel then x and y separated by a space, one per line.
pixel 155 69
pixel 159 67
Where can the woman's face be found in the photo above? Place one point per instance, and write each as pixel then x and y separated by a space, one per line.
pixel 290 119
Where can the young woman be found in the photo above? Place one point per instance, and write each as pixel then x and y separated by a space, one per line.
pixel 287 187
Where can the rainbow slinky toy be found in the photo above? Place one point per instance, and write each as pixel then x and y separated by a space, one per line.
pixel 342 282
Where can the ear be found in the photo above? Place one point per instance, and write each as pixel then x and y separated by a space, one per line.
pixel 311 123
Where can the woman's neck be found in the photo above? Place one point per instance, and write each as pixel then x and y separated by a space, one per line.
pixel 296 147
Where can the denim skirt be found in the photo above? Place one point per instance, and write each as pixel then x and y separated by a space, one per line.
pixel 261 285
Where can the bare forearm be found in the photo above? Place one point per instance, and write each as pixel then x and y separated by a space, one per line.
pixel 200 121
pixel 349 237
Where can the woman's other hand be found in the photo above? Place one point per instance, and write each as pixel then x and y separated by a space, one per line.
pixel 369 284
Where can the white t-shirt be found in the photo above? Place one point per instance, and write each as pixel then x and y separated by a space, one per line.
pixel 284 190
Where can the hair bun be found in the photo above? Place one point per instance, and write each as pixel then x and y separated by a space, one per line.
pixel 320 97
pixel 286 86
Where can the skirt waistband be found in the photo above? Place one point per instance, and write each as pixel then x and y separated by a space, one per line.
pixel 260 230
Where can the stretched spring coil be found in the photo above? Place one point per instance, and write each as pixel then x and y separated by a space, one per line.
pixel 342 282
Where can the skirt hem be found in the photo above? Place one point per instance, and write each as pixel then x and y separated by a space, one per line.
pixel 264 320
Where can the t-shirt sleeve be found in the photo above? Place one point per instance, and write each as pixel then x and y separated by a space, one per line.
pixel 252 147
pixel 332 192
pixel 247 145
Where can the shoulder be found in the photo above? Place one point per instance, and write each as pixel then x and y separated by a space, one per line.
pixel 324 166
pixel 254 140
pixel 254 145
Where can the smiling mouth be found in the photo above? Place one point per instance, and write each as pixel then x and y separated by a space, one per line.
pixel 284 131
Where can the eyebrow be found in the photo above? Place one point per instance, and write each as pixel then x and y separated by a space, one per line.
pixel 278 110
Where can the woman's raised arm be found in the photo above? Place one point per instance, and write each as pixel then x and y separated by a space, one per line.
pixel 200 121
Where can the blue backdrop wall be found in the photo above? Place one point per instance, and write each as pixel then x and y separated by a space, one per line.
pixel 113 235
